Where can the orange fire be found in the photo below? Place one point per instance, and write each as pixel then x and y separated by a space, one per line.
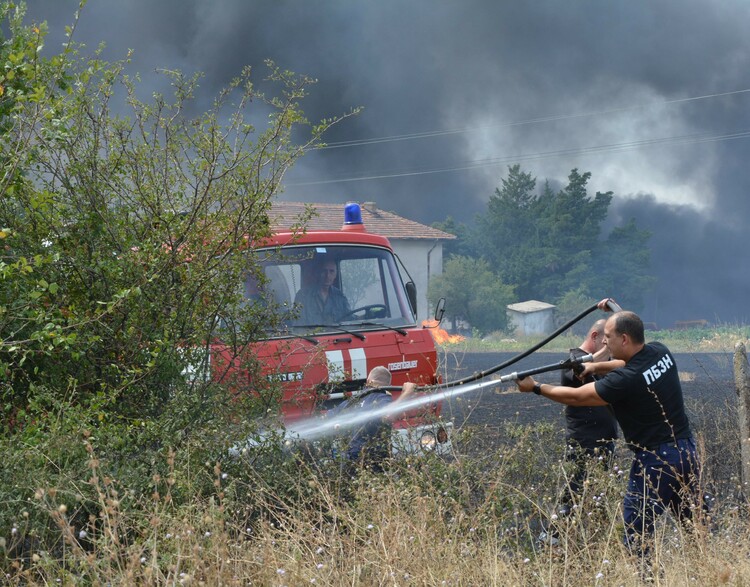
pixel 440 335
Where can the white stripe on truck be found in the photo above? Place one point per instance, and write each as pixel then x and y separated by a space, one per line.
pixel 359 363
pixel 335 361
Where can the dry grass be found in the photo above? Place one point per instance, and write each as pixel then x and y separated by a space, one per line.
pixel 471 521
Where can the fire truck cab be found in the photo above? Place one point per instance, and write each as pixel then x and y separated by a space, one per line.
pixel 323 349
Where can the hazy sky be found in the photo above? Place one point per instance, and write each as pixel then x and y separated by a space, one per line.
pixel 651 97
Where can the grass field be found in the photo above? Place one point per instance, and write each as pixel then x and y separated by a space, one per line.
pixel 467 521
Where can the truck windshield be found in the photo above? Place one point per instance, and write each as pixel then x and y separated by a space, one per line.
pixel 330 288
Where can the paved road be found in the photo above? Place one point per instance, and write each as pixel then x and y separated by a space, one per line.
pixel 708 385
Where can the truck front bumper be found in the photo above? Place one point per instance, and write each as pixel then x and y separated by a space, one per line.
pixel 424 438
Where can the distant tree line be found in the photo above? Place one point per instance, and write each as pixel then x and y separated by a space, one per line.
pixel 540 244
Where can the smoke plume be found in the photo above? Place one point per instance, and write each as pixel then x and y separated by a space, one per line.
pixel 649 97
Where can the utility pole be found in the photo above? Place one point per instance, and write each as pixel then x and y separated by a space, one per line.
pixel 742 384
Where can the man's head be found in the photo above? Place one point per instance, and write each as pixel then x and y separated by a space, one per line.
pixel 623 335
pixel 379 377
pixel 326 271
pixel 594 340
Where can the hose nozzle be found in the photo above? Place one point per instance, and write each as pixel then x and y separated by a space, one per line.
pixel 613 305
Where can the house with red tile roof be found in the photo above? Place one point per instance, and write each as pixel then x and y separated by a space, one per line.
pixel 418 246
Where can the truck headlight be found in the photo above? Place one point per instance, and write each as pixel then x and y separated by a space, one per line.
pixel 427 441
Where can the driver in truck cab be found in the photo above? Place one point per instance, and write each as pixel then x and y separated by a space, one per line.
pixel 321 302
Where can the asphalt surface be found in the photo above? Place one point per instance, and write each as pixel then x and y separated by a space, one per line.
pixel 707 384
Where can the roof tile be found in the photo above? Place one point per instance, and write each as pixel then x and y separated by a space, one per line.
pixel 331 217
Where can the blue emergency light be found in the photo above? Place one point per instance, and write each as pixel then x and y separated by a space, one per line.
pixel 352 214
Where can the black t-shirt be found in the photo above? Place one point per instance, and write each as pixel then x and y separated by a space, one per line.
pixel 646 396
pixel 588 426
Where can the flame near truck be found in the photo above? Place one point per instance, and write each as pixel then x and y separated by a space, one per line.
pixel 317 363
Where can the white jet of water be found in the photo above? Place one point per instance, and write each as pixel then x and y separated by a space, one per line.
pixel 316 428
pixel 320 427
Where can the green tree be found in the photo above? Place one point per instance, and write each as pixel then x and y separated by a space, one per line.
pixel 551 244
pixel 622 266
pixel 571 223
pixel 131 229
pixel 473 293
pixel 508 233
pixel 464 244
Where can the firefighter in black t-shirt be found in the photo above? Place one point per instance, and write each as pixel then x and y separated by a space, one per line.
pixel 591 430
pixel 642 385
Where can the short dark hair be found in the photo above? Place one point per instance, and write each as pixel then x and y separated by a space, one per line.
pixel 629 323
pixel 322 260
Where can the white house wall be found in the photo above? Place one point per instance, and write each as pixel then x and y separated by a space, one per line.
pixel 422 258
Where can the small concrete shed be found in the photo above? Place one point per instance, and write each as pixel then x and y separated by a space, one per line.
pixel 531 318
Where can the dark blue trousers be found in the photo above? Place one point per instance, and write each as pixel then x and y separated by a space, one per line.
pixel 666 476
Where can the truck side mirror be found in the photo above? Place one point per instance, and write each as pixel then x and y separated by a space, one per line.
pixel 411 294
pixel 440 310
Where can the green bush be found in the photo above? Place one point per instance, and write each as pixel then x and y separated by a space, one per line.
pixel 125 234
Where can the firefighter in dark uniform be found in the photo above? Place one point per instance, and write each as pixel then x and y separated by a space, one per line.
pixel 591 430
pixel 369 443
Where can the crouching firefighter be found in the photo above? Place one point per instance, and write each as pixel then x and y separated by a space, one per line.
pixel 369 443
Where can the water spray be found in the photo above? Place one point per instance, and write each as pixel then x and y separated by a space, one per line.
pixel 316 428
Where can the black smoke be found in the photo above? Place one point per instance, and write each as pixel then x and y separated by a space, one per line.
pixel 604 87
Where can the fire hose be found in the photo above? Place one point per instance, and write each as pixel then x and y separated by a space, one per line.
pixel 572 363
pixel 512 377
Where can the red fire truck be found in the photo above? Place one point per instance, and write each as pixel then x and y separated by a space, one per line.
pixel 319 362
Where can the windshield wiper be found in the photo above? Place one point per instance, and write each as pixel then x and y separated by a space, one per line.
pixel 287 332
pixel 401 331
pixel 357 334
